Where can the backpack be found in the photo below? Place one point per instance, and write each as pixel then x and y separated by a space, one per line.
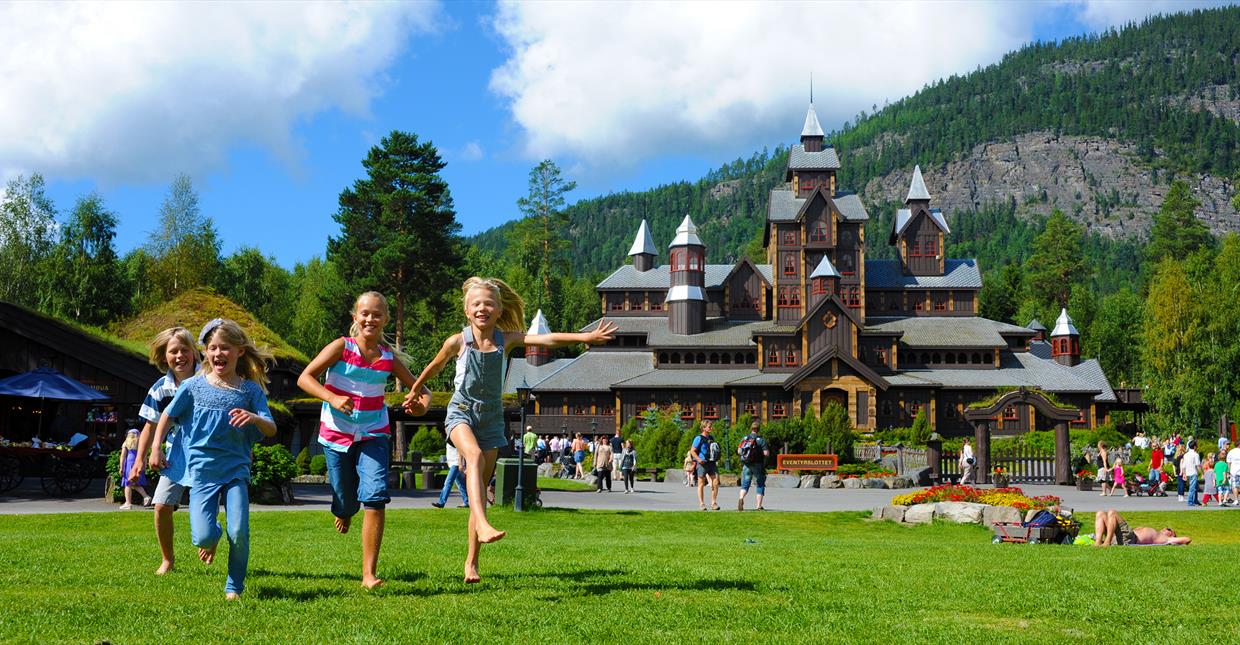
pixel 713 451
pixel 751 451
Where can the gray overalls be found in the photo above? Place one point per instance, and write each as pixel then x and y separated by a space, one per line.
pixel 478 399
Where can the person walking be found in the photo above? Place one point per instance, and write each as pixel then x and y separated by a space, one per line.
pixel 579 456
pixel 966 463
pixel 602 465
pixel 706 455
pixel 628 464
pixel 455 476
pixel 617 451
pixel 753 451
pixel 1190 468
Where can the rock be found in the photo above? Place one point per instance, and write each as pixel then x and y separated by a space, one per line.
pixel 809 481
pixel 310 479
pixel 891 463
pixel 830 481
pixel 899 482
pixel 728 479
pixel 674 476
pixel 894 513
pixel 782 481
pixel 873 482
pixel 921 477
pixel 544 470
pixel 959 512
pixel 591 480
pixel 852 482
pixel 272 493
pixel 993 514
pixel 919 514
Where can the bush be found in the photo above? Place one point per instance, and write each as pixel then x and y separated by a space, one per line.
pixel 921 428
pixel 303 461
pixel 658 438
pixel 428 441
pixel 318 465
pixel 832 433
pixel 272 465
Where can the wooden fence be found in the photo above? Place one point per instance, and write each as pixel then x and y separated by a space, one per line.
pixel 902 459
pixel 1021 463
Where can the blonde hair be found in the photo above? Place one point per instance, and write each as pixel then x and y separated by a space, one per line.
pixel 131 441
pixel 159 346
pixel 356 330
pixel 253 363
pixel 511 306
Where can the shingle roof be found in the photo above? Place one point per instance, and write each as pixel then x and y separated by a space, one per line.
pixel 1036 325
pixel 1016 370
pixel 944 331
pixel 799 159
pixel 597 371
pixel 904 217
pixel 1091 372
pixel 519 370
pixel 1041 349
pixel 687 377
pixel 825 269
pixel 719 332
pixel 627 277
pixel 643 243
pixel 784 205
pixel 959 274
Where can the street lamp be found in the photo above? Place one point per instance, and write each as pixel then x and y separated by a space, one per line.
pixel 523 397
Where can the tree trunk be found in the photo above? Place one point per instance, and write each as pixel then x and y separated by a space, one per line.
pixel 400 331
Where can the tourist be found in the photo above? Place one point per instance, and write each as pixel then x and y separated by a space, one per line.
pixel 529 442
pixel 1104 470
pixel 706 456
pixel 1179 474
pixel 455 476
pixel 540 449
pixel 1211 483
pixel 1222 444
pixel 1222 482
pixel 966 463
pixel 1190 470
pixel 1110 527
pixel 555 448
pixel 1117 476
pixel 223 413
pixel 1141 441
pixel 475 418
pixel 628 464
pixel 579 456
pixel 173 352
pixel 753 451
pixel 1156 460
pixel 602 464
pixel 129 453
pixel 690 467
pixel 1233 470
pixel 617 451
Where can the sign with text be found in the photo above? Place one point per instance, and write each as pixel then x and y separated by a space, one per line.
pixel 807 462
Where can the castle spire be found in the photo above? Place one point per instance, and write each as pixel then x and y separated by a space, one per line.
pixel 536 356
pixel 643 250
pixel 917 188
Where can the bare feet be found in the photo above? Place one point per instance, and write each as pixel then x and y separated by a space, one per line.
pixel 207 555
pixel 471 574
pixel 489 534
pixel 342 524
pixel 232 595
pixel 371 583
pixel 165 567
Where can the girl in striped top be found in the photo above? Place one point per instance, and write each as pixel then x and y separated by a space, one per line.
pixel 353 426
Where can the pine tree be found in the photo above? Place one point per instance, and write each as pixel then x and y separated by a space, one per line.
pixel 539 240
pixel 184 248
pixel 1057 262
pixel 86 280
pixel 1177 232
pixel 27 230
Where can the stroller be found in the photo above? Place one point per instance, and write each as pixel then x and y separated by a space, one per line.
pixel 1149 487
pixel 568 467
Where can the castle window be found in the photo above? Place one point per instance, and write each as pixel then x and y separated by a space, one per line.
pixel 930 247
pixel 615 302
pixel 710 410
pixel 846 264
pixel 686 412
pixel 751 408
pixel 677 260
pixel 790 264
pixel 880 356
pixel 914 249
pixel 819 287
pixel 656 301
pixel 693 262
pixel 778 410
pixel 790 357
pixel 1009 413
pixel 790 238
pixel 819 232
pixel 606 408
pixel 853 297
pixel 790 296
pixel 772 357
pixel 579 409
pixel 940 302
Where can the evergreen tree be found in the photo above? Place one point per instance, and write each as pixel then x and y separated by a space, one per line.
pixel 1057 262
pixel 1001 295
pixel 27 233
pixel 184 248
pixel 260 286
pixel 321 310
pixel 1177 232
pixel 398 228
pixel 86 281
pixel 539 239
pixel 1114 337
pixel 1173 348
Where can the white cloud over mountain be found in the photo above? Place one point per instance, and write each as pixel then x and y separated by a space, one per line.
pixel 132 91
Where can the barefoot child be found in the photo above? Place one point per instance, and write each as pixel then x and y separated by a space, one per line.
pixel 475 419
pixel 353 426
pixel 173 352
pixel 222 412
pixel 129 457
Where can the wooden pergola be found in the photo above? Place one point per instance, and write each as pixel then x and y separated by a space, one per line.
pixel 982 418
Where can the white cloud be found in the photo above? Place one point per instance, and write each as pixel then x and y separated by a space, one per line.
pixel 133 91
pixel 471 151
pixel 1101 14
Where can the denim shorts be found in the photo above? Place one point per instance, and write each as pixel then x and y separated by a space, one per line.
pixel 488 425
pixel 755 474
pixel 359 476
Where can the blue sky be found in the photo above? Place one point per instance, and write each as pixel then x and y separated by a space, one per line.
pixel 272 113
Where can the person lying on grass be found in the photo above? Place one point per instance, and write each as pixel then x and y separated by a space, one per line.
pixel 1109 527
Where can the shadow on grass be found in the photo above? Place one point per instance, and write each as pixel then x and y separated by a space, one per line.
pixel 398 575
pixel 301 595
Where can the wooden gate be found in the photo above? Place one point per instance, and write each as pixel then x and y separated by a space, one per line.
pixel 1025 465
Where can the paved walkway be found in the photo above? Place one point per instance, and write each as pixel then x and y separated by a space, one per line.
pixel 30 499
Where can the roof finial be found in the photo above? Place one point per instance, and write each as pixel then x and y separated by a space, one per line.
pixel 811 88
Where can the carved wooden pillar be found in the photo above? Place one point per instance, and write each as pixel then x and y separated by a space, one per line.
pixel 981 451
pixel 934 455
pixel 1063 454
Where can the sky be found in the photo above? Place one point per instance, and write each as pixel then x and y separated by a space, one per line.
pixel 271 107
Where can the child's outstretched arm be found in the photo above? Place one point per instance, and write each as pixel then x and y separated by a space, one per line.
pixel 601 334
pixel 451 347
pixel 309 379
pixel 157 460
pixel 418 400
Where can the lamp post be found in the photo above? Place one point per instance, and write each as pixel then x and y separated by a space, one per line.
pixel 523 398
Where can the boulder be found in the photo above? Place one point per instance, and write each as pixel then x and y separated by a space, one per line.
pixel 920 477
pixel 993 514
pixel 959 512
pixel 728 479
pixel 674 476
pixel 873 482
pixel 852 482
pixel 809 481
pixel 919 514
pixel 901 482
pixel 544 470
pixel 782 481
pixel 830 481
pixel 310 479
pixel 591 480
pixel 893 513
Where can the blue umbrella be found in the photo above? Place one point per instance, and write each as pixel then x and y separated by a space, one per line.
pixel 47 383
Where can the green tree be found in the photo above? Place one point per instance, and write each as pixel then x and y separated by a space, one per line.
pixel 1115 337
pixel 1173 343
pixel 261 286
pixel 538 240
pixel 321 310
pixel 27 234
pixel 86 280
pixel 137 269
pixel 1001 295
pixel 1057 262
pixel 184 247
pixel 1177 232
pixel 398 228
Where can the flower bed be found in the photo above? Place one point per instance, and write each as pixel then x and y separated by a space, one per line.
pixel 1012 496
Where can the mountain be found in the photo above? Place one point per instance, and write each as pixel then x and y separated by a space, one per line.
pixel 1096 126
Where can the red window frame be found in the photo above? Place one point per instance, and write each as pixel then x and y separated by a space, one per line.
pixel 750 408
pixel 772 357
pixel 790 238
pixel 779 410
pixel 1009 413
pixel 880 355
pixel 656 304
pixel 789 297
pixel 819 232
pixel 818 287
pixel 913 408
pixel 694 262
pixel 1080 419
pixel 579 409
pixel 939 304
pixel 615 305
pixel 710 410
pixel 790 357
pixel 914 249
pixel 930 248
pixel 790 263
pixel 853 297
pixel 606 409
pixel 676 260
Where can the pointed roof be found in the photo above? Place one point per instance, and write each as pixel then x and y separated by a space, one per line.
pixel 1064 326
pixel 686 234
pixel 1035 325
pixel 812 128
pixel 539 324
pixel 825 269
pixel 643 243
pixel 917 188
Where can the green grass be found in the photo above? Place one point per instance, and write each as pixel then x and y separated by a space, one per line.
pixel 586 576
pixel 553 483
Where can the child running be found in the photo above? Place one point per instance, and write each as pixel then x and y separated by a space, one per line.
pixel 222 413
pixel 475 418
pixel 353 427
pixel 173 352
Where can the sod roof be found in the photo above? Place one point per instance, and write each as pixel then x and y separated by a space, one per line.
pixel 192 309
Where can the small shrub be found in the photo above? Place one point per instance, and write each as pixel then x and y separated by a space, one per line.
pixel 303 461
pixel 428 441
pixel 318 465
pixel 272 465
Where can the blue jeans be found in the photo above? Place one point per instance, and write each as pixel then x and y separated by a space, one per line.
pixel 756 474
pixel 359 476
pixel 204 525
pixel 455 476
pixel 1192 490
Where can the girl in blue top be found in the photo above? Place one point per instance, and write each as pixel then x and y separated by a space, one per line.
pixel 475 418
pixel 222 412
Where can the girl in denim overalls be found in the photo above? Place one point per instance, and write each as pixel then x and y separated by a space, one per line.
pixel 475 418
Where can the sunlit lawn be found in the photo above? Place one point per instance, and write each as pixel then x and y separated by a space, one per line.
pixel 607 577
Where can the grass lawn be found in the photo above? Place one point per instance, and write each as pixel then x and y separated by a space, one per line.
pixel 595 576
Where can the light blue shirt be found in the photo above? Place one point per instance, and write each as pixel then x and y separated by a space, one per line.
pixel 215 452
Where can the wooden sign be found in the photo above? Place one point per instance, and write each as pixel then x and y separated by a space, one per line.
pixel 807 462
